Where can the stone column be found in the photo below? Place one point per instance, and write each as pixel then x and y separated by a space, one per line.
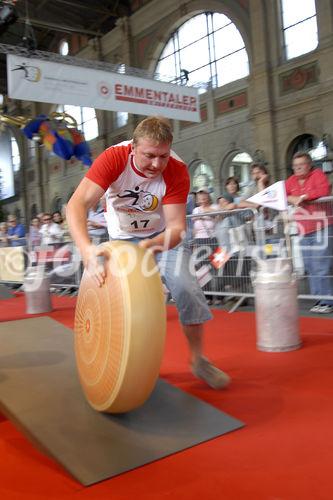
pixel 261 93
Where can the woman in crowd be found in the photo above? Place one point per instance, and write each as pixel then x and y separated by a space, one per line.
pixel 231 224
pixel 34 236
pixel 230 198
pixel 203 227
pixel 203 230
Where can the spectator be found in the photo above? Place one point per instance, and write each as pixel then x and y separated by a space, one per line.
pixel 228 201
pixel 96 222
pixel 15 232
pixel 51 233
pixel 190 206
pixel 260 181
pixel 57 218
pixel 34 236
pixel 230 198
pixel 190 203
pixel 306 185
pixel 3 234
pixel 203 228
pixel 64 226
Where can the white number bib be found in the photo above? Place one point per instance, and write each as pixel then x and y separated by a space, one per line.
pixel 136 221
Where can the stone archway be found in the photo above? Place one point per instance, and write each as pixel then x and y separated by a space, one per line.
pixel 56 204
pixel 236 164
pixel 202 176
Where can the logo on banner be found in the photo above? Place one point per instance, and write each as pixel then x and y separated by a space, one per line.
pixel 272 197
pixel 104 89
pixel 29 73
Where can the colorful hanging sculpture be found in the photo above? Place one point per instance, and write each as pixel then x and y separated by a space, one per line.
pixel 59 134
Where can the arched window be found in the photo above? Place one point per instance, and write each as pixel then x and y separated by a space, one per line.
pixel 206 51
pixel 85 117
pixel 240 167
pixel 10 162
pixel 300 31
pixel 15 154
pixel 236 164
pixel 121 119
pixel 63 48
pixel 56 204
pixel 319 152
pixel 203 176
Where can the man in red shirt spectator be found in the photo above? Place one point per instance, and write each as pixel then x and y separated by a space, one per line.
pixel 306 185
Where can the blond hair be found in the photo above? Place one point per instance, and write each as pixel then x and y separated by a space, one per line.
pixel 156 128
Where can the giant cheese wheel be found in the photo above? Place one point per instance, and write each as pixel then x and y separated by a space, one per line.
pixel 120 330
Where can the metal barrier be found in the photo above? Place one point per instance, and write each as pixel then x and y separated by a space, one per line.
pixel 227 250
pixel 229 244
pixel 306 234
pixel 62 263
pixel 267 234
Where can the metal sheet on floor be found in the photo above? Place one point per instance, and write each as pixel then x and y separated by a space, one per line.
pixel 40 392
pixel 5 292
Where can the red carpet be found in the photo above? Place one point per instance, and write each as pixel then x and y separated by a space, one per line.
pixel 285 452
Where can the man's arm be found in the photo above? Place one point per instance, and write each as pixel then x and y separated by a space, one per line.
pixel 247 204
pixel 85 196
pixel 175 220
pixel 249 191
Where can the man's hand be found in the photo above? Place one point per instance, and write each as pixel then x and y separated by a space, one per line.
pixel 93 264
pixel 147 244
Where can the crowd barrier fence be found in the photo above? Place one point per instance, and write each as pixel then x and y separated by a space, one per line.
pixel 224 258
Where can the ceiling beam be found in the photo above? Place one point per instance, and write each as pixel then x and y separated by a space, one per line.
pixel 83 6
pixel 59 27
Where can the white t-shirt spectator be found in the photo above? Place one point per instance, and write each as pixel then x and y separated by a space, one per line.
pixel 51 233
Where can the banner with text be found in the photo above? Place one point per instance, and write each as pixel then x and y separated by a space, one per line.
pixel 273 196
pixel 43 81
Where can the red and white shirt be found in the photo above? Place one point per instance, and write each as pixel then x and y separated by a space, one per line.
pixel 135 202
pixel 313 216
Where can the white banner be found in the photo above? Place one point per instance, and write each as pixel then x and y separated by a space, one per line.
pixel 44 81
pixel 273 196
